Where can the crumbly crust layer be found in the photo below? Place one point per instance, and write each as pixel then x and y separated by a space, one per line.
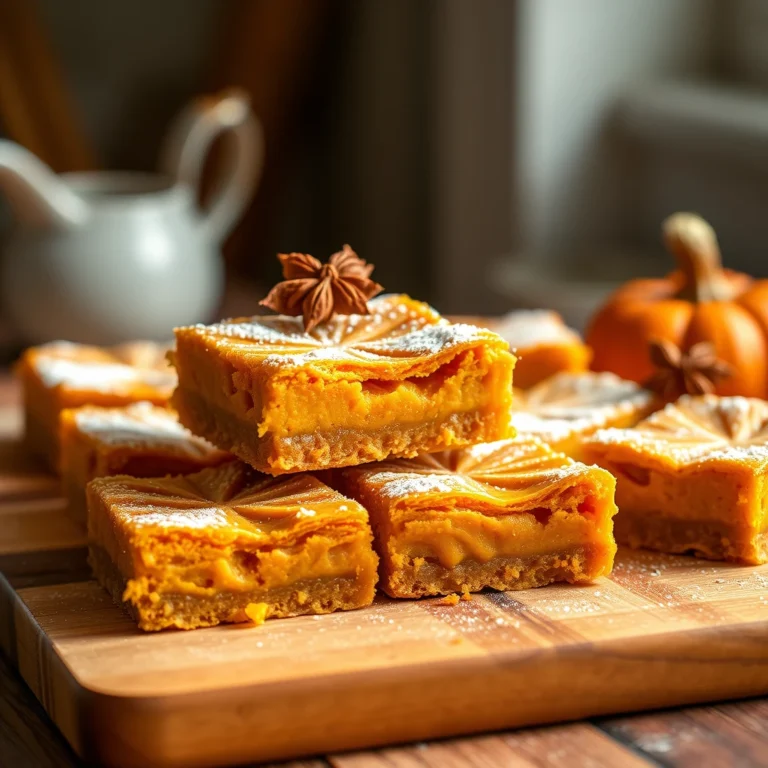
pixel 155 611
pixel 418 577
pixel 706 538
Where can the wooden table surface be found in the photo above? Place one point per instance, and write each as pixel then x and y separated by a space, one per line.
pixel 727 735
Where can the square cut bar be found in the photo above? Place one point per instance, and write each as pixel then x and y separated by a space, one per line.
pixel 62 375
pixel 692 477
pixel 228 544
pixel 508 515
pixel 360 388
pixel 141 440
pixel 543 343
pixel 565 408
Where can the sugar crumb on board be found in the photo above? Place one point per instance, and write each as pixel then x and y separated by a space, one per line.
pixel 452 599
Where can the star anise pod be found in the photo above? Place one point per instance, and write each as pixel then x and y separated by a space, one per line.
pixel 318 291
pixel 695 372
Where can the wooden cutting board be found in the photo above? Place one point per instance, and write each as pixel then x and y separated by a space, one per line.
pixel 661 631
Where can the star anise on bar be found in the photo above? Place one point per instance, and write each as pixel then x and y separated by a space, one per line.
pixel 318 291
pixel 695 372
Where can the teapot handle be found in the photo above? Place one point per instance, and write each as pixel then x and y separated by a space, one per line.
pixel 189 141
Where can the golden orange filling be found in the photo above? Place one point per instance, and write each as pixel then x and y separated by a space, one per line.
pixel 237 570
pixel 465 535
pixel 302 402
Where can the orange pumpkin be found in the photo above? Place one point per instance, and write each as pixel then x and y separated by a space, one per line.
pixel 701 301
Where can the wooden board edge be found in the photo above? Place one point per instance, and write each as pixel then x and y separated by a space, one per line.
pixel 353 711
pixel 42 668
pixel 8 600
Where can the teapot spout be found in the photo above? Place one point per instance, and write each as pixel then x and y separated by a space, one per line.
pixel 37 196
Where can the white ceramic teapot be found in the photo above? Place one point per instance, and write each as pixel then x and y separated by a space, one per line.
pixel 109 256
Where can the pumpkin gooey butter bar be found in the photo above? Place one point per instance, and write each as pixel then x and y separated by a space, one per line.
pixel 692 478
pixel 508 515
pixel 228 544
pixel 290 396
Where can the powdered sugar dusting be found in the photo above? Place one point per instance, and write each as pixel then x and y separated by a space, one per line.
pixel 430 340
pixel 104 377
pixel 178 519
pixel 481 470
pixel 324 354
pixel 753 454
pixel 484 450
pixel 262 329
pixel 549 429
pixel 568 404
pixel 567 471
pixel 395 328
pixel 140 425
pixel 699 429
pixel 395 485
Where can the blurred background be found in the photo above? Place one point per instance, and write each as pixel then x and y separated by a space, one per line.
pixel 484 155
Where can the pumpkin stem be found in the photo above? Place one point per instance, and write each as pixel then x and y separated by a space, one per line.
pixel 693 241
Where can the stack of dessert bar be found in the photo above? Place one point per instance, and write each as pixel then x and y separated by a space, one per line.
pixel 293 470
